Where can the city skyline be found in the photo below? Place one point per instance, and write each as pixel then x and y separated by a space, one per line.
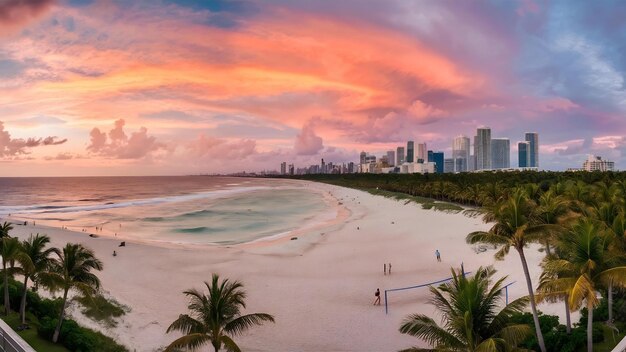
pixel 90 87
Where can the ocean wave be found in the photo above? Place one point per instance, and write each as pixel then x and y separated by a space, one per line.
pixel 194 229
pixel 44 208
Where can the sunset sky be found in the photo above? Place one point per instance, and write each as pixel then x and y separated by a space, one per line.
pixel 184 87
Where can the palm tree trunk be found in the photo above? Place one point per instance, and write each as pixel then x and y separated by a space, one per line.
pixel 57 331
pixel 7 301
pixel 568 321
pixel 548 251
pixel 216 346
pixel 610 299
pixel 531 295
pixel 23 303
pixel 589 327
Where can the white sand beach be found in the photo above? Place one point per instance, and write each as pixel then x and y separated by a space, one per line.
pixel 320 287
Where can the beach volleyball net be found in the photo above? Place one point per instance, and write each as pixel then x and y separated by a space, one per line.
pixel 388 291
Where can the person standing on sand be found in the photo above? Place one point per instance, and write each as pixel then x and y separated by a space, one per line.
pixel 438 255
pixel 389 268
pixel 385 269
pixel 377 295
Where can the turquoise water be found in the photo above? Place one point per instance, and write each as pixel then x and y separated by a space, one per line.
pixel 201 210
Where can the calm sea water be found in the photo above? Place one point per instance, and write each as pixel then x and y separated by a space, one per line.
pixel 189 209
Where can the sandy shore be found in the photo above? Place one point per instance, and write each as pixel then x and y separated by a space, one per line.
pixel 320 288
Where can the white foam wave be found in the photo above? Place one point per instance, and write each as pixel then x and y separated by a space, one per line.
pixel 38 209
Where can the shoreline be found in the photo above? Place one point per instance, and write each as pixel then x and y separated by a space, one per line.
pixel 319 287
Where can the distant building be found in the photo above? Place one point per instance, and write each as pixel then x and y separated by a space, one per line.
pixel 421 153
pixel 461 153
pixel 283 168
pixel 595 163
pixel 410 152
pixel 500 153
pixel 471 165
pixel 391 157
pixel 483 148
pixel 291 169
pixel 362 158
pixel 523 154
pixel 400 157
pixel 437 158
pixel 417 168
pixel 351 168
pixel 533 139
pixel 323 167
pixel 448 165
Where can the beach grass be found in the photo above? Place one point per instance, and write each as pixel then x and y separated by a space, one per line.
pixel 426 203
pixel 102 310
pixel 30 336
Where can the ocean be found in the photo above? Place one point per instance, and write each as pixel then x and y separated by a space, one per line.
pixel 185 209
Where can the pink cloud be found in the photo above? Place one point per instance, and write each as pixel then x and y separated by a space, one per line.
pixel 16 13
pixel 120 146
pixel 10 147
pixel 206 147
pixel 307 142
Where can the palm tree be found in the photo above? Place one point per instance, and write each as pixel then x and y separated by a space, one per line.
pixel 215 318
pixel 11 251
pixel 35 260
pixel 552 209
pixel 585 265
pixel 471 320
pixel 72 270
pixel 514 227
pixel 5 228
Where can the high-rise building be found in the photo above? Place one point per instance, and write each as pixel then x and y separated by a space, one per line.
pixel 500 153
pixel 283 168
pixel 533 139
pixel 437 158
pixel 391 157
pixel 523 154
pixel 351 167
pixel 595 163
pixel 291 169
pixel 323 167
pixel 421 153
pixel 461 153
pixel 362 159
pixel 409 152
pixel 483 148
pixel 400 157
pixel 448 165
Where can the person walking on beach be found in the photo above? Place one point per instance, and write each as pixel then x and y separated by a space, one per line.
pixel 438 255
pixel 377 295
pixel 389 268
pixel 385 269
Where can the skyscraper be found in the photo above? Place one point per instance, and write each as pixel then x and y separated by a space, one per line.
pixel 362 157
pixel 409 152
pixel 391 157
pixel 533 139
pixel 483 148
pixel 283 168
pixel 461 153
pixel 400 156
pixel 421 152
pixel 500 153
pixel 523 154
pixel 437 158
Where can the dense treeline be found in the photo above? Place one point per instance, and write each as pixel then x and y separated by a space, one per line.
pixel 465 188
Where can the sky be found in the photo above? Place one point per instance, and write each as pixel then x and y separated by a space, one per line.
pixel 105 87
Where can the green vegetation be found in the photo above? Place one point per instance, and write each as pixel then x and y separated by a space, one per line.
pixel 41 320
pixel 427 203
pixel 471 320
pixel 215 318
pixel 101 309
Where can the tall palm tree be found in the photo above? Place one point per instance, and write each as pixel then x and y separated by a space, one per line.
pixel 514 227
pixel 585 265
pixel 36 260
pixel 72 271
pixel 215 318
pixel 471 321
pixel 10 250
